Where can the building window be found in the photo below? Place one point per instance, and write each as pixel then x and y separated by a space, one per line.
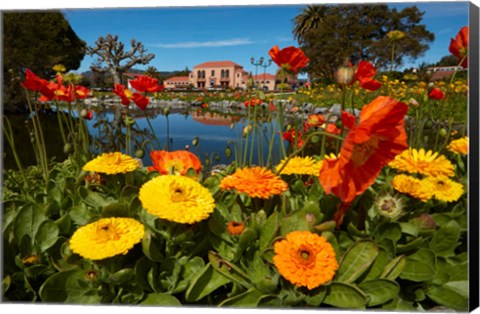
pixel 227 73
pixel 213 72
pixel 222 74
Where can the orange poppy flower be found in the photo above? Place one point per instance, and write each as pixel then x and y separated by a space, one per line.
pixel 178 161
pixel 290 136
pixel 146 84
pixel 255 182
pixel 367 148
pixel 314 120
pixel 364 75
pixel 290 58
pixel 37 84
pixel 252 102
pixel 459 46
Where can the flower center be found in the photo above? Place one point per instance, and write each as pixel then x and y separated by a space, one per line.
pixel 178 194
pixel 362 152
pixel 107 233
pixel 441 185
pixel 305 255
pixel 388 205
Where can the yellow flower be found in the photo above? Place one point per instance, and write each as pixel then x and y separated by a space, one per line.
pixel 106 237
pixel 300 165
pixel 459 147
pixel 112 163
pixel 445 189
pixel 305 259
pixel 419 189
pixel 427 163
pixel 176 198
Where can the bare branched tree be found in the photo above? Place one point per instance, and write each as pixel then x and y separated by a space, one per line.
pixel 111 52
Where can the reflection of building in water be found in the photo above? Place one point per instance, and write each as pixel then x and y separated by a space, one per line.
pixel 212 118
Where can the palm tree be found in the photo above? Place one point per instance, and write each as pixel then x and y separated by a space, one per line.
pixel 309 19
pixel 152 72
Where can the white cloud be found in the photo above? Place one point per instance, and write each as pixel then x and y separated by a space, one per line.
pixel 204 44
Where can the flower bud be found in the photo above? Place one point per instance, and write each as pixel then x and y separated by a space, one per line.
pixel 139 153
pixel 68 148
pixel 430 86
pixel 166 111
pixel 246 130
pixel 390 207
pixel 345 75
pixel 195 141
pixel 228 152
pixel 129 120
pixel 443 132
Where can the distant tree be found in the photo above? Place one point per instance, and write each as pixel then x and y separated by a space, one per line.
pixel 185 72
pixel 152 72
pixel 111 52
pixel 331 33
pixel 446 61
pixel 37 41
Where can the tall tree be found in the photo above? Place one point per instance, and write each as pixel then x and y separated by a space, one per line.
pixel 152 72
pixel 359 32
pixel 111 52
pixel 38 41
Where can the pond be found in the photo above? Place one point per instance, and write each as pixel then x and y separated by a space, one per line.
pixel 175 131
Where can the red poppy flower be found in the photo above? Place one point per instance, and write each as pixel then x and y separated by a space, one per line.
pixel 290 58
pixel 459 46
pixel 365 74
pixel 348 119
pixel 290 137
pixel 34 83
pixel 436 94
pixel 82 92
pixel 126 95
pixel 178 161
pixel 252 102
pixel 332 129
pixel 272 106
pixel 367 148
pixel 146 84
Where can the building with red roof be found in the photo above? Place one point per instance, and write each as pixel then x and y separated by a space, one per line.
pixel 177 82
pixel 217 74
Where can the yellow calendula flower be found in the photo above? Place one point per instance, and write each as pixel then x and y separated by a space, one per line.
pixel 445 189
pixel 300 165
pixel 107 237
pixel 414 187
pixel 424 162
pixel 459 147
pixel 112 163
pixel 176 198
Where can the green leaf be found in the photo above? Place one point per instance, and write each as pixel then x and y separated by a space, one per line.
pixel 92 198
pixel 247 239
pixel 47 235
pixel 150 247
pixel 409 229
pixel 379 290
pixel 448 297
pixel 268 232
pixel 296 221
pixel 345 296
pixel 81 215
pixel 64 287
pixel 249 298
pixel 207 281
pixel 192 267
pixel 394 268
pixel 161 299
pixel 419 266
pixel 27 222
pixel 445 240
pixel 389 230
pixel 356 261
pixel 115 209
pixel 378 265
pixel 122 276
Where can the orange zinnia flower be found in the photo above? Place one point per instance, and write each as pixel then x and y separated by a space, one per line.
pixel 255 182
pixel 178 161
pixel 305 259
pixel 146 84
pixel 290 58
pixel 235 228
pixel 459 46
pixel 367 148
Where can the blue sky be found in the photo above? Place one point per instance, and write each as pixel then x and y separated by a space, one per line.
pixel 186 36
